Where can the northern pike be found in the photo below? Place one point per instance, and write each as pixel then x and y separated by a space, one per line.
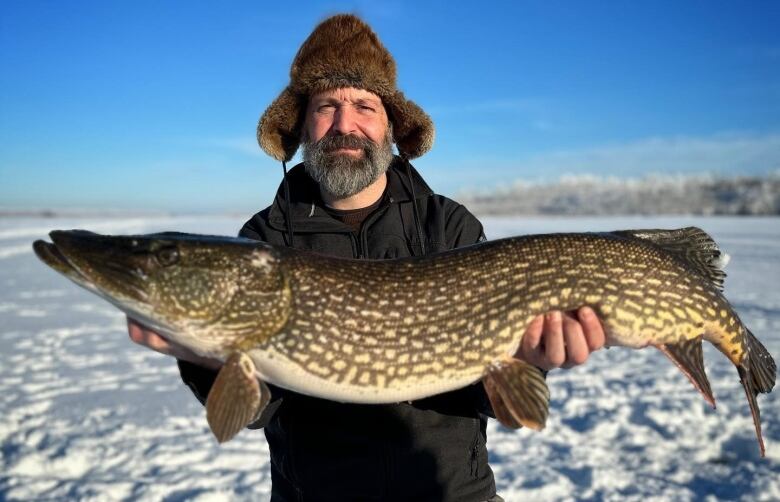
pixel 398 330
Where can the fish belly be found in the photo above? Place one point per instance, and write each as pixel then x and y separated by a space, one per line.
pixel 377 388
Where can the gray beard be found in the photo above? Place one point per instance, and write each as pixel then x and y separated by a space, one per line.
pixel 342 175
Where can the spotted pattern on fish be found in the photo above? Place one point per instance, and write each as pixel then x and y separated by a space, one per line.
pixel 400 324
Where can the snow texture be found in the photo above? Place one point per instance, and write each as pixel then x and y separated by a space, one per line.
pixel 87 415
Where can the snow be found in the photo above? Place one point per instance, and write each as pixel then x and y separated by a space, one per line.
pixel 87 415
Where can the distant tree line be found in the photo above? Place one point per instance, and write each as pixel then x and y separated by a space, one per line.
pixel 592 195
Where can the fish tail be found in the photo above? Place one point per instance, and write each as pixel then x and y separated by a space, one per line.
pixel 762 367
pixel 757 374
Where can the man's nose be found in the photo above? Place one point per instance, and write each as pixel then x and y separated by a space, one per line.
pixel 344 121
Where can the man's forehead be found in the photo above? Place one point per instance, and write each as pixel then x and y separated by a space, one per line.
pixel 349 94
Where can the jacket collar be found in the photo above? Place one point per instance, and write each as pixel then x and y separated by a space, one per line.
pixel 306 206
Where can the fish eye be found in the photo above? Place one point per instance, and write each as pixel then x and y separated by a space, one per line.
pixel 167 256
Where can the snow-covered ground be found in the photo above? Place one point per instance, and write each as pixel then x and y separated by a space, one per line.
pixel 86 415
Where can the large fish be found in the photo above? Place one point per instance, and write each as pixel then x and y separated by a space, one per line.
pixel 397 330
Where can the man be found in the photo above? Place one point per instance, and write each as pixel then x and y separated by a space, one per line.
pixel 352 197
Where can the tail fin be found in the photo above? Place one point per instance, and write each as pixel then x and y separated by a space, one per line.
pixel 763 370
pixel 757 375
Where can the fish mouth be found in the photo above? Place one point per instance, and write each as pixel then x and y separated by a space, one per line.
pixel 49 254
pixel 103 265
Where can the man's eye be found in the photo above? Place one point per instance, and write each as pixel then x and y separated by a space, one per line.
pixel 326 108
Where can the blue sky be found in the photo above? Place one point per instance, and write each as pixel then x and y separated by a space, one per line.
pixel 153 104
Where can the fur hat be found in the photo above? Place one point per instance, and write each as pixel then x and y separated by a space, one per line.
pixel 342 52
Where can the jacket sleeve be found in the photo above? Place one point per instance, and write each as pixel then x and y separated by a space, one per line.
pixel 200 379
pixel 250 231
pixel 463 228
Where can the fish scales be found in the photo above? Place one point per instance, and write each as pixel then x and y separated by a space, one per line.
pixel 396 330
pixel 389 327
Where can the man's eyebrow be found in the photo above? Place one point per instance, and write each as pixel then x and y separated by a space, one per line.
pixel 326 101
pixel 367 101
pixel 336 101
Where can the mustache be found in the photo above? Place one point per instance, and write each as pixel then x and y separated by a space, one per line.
pixel 331 143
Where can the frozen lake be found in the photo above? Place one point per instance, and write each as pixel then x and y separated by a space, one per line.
pixel 87 415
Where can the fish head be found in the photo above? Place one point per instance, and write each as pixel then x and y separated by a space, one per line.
pixel 207 293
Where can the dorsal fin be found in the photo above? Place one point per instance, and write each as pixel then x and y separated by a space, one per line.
pixel 693 245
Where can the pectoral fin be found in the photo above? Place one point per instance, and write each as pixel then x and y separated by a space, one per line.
pixel 687 355
pixel 236 397
pixel 518 393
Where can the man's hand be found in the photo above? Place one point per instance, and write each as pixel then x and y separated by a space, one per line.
pixel 144 336
pixel 561 340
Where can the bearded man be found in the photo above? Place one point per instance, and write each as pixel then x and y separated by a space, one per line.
pixel 352 197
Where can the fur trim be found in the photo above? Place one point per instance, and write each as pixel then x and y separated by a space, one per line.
pixel 342 51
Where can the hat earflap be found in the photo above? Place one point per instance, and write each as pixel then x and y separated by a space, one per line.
pixel 279 128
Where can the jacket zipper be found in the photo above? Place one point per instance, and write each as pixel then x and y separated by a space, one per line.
pixel 357 248
pixel 475 452
pixel 360 239
pixel 475 461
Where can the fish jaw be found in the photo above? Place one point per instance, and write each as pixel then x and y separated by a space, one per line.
pixel 104 266
pixel 50 255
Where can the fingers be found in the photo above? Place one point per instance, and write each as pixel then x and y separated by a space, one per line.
pixel 138 333
pixel 542 344
pixel 592 328
pixel 577 350
pixel 531 349
pixel 558 340
pixel 555 349
pixel 148 338
pixel 533 336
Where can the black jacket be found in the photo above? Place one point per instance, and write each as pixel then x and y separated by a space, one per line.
pixel 431 449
